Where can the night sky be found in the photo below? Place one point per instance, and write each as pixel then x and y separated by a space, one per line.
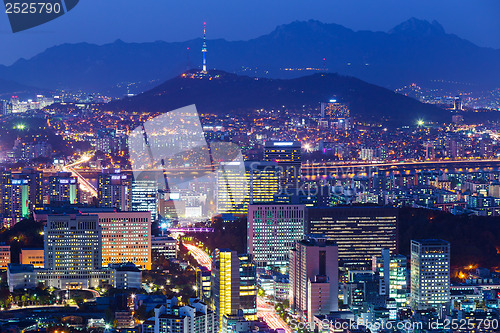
pixel 104 21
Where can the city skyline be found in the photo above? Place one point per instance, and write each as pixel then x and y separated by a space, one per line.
pixel 314 179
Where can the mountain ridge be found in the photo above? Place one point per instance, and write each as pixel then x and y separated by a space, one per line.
pixel 413 51
pixel 223 93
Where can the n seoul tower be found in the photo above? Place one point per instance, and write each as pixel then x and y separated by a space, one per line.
pixel 204 48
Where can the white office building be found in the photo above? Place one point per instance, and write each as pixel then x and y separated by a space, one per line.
pixel 273 231
pixel 430 273
pixel 145 197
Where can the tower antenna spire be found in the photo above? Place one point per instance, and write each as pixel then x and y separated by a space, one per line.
pixel 204 48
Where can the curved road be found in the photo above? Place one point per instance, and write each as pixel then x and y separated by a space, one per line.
pixel 82 181
pixel 200 256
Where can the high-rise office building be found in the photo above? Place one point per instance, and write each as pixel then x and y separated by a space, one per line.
pixel 63 188
pixel 430 273
pixel 314 276
pixel 19 199
pixel 248 286
pixel 114 189
pixel 360 232
pixel 5 191
pixel 398 287
pixel 145 197
pixel 233 285
pixel 225 282
pixel 22 193
pixel 72 244
pixel 391 270
pixel 240 184
pixel 336 114
pixel 273 231
pixel 288 156
pixel 126 237
pixel 203 284
pixel 34 178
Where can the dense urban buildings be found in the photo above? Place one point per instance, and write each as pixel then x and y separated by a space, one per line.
pixel 63 188
pixel 170 317
pixel 114 189
pixel 144 197
pixel 233 286
pixel 272 231
pixel 107 207
pixel 314 277
pixel 430 274
pixel 392 274
pixel 288 156
pixel 73 244
pixel 242 183
pixel 126 237
pixel 73 259
pixel 360 232
pixel 163 246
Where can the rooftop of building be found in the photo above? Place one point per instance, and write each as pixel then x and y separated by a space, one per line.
pixel 431 241
pixel 169 316
pixel 125 267
pixel 20 268
pixel 203 269
pixel 317 240
pixel 163 238
pixel 283 144
pixel 353 207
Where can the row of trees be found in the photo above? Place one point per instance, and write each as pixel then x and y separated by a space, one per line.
pixel 21 298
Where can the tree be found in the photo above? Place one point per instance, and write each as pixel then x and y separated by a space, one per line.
pixel 109 315
pixel 5 298
pixel 141 313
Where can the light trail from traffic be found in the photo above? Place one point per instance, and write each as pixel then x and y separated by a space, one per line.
pixel 267 313
pixel 85 184
pixel 200 256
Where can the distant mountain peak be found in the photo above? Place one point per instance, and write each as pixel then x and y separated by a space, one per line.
pixel 306 28
pixel 420 50
pixel 418 28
